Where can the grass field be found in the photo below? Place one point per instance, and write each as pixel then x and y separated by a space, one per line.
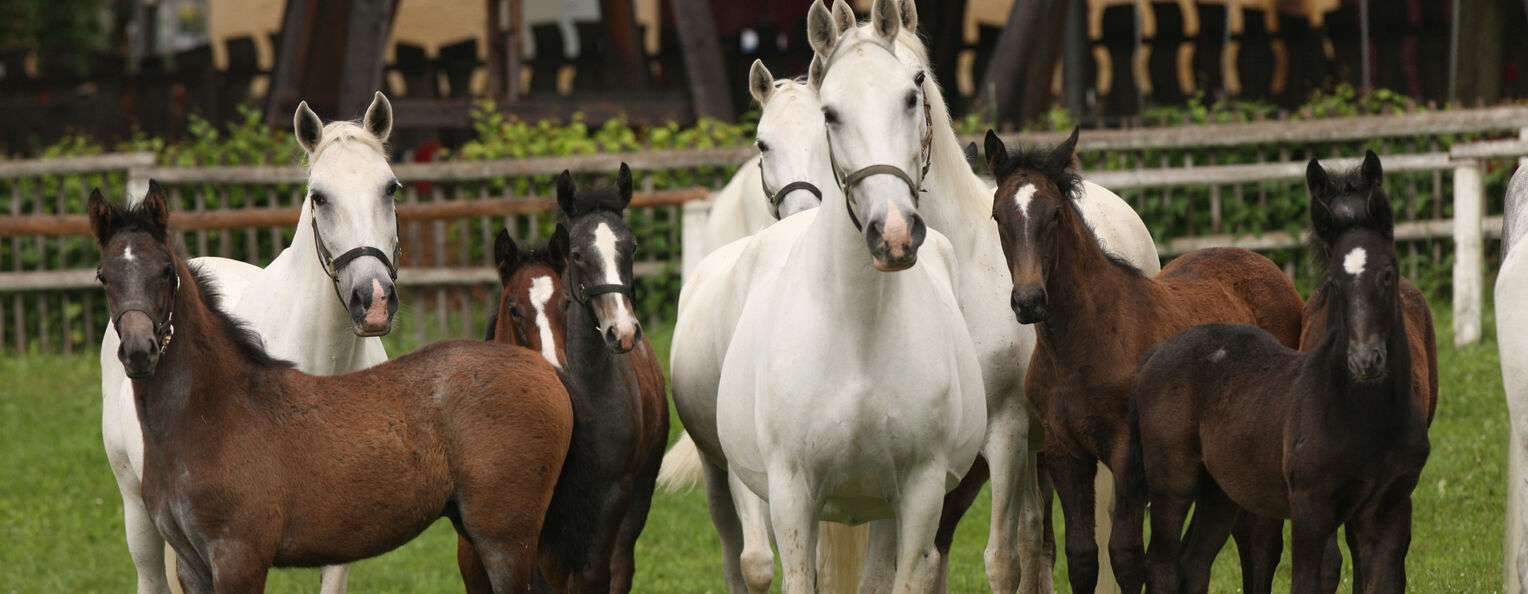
pixel 61 516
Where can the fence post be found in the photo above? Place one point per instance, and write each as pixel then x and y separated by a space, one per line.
pixel 692 244
pixel 137 183
pixel 1469 252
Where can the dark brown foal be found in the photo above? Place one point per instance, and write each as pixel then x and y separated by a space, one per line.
pixel 250 464
pixel 1095 317
pixel 1229 419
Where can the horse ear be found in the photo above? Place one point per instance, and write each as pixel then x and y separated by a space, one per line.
pixel 309 129
pixel 886 19
pixel 909 10
pixel 156 207
pixel 761 84
pixel 820 30
pixel 1317 180
pixel 815 72
pixel 379 117
pixel 843 17
pixel 104 216
pixel 1373 175
pixel 973 155
pixel 996 152
pixel 558 246
pixel 623 185
pixel 1064 156
pixel 565 192
pixel 506 255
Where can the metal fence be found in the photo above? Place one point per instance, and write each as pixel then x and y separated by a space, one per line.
pixel 1197 186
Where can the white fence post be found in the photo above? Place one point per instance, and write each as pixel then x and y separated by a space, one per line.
pixel 1469 252
pixel 693 238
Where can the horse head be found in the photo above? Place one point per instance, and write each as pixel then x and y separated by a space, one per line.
pixel 138 271
pixel 1354 226
pixel 599 251
pixel 879 129
pixel 793 152
pixel 350 209
pixel 533 306
pixel 1033 206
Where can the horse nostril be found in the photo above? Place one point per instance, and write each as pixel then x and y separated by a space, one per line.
pixel 1040 298
pixel 1013 299
pixel 637 335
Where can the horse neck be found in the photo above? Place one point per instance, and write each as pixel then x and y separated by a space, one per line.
pixel 315 319
pixel 194 373
pixel 1081 279
pixel 957 202
pixel 836 255
pixel 588 357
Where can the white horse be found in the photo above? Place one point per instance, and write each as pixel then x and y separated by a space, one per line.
pixel 322 315
pixel 960 206
pixel 1512 341
pixel 758 194
pixel 851 390
pixel 795 164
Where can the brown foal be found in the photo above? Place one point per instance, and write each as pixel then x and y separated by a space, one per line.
pixel 250 464
pixel 1095 316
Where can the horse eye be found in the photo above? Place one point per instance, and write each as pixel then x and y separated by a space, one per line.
pixel 514 312
pixel 1055 215
pixel 99 278
pixel 912 99
pixel 918 80
pixel 830 116
pixel 763 148
pixel 578 257
pixel 319 199
pixel 167 272
pixel 393 189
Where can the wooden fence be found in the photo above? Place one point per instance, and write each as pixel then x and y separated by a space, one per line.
pixel 1229 184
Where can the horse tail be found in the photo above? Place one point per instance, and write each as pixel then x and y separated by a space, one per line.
pixel 682 468
pixel 841 551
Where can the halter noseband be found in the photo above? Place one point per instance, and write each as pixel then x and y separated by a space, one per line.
pixel 333 265
pixel 583 293
pixel 774 198
pixel 847 182
pixel 164 331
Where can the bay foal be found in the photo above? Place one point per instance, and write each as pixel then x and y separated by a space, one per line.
pixel 251 464
pixel 1232 421
pixel 1095 316
pixel 620 407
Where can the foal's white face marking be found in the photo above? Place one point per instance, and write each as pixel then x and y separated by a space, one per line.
pixel 127 254
pixel 1354 261
pixel 1023 197
pixel 604 242
pixel 541 292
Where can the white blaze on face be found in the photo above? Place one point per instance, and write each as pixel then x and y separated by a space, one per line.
pixel 127 254
pixel 1023 197
pixel 604 243
pixel 1354 261
pixel 541 293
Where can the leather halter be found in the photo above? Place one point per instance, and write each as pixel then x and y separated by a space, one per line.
pixel 333 265
pixel 774 198
pixel 582 293
pixel 164 330
pixel 847 182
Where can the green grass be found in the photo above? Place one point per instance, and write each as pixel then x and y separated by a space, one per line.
pixel 61 516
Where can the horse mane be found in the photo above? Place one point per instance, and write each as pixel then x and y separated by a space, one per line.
pixel 245 341
pixel 1344 186
pixel 346 131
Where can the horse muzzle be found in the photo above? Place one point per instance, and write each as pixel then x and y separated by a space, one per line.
pixel 1029 304
pixel 372 307
pixel 894 240
pixel 139 350
pixel 1367 363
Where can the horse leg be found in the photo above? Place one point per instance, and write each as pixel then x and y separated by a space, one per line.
pixel 1171 496
pixel 333 578
pixel 1214 517
pixel 880 570
pixel 917 522
pixel 738 516
pixel 1380 534
pixel 1014 553
pixel 474 575
pixel 1331 566
pixel 793 515
pixel 1260 545
pixel 1312 523
pixel 956 503
pixel 144 543
pixel 237 567
pixel 1127 541
pixel 623 560
pixel 1074 483
pixel 1047 524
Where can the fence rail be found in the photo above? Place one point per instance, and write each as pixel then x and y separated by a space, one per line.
pixel 449 212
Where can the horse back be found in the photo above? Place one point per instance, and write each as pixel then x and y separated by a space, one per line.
pixel 1420 336
pixel 1249 279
